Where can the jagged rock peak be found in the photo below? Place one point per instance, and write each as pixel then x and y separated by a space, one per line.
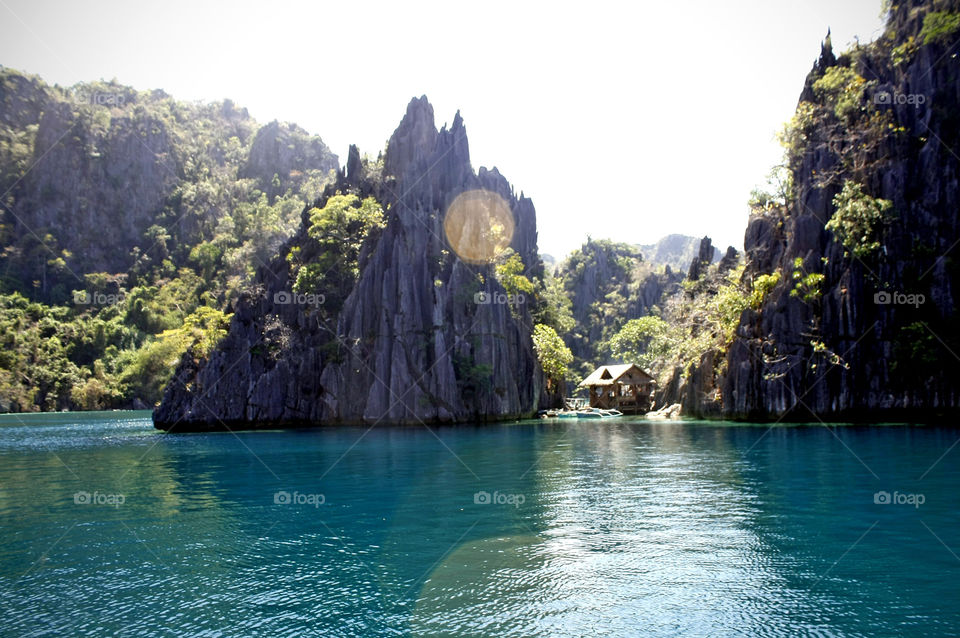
pixel 827 58
pixel 457 123
pixel 729 260
pixel 354 167
pixel 416 147
pixel 416 136
pixel 702 261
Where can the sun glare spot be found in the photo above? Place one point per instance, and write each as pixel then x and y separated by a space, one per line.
pixel 479 225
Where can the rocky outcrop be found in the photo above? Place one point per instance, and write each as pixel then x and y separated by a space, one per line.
pixel 695 386
pixel 875 338
pixel 279 155
pixel 729 260
pixel 671 411
pixel 702 261
pixel 422 336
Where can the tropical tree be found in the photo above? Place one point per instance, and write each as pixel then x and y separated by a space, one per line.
pixel 553 354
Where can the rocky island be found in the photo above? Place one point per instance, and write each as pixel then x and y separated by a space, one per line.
pixel 417 335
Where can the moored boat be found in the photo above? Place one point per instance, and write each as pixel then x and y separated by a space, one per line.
pixel 588 413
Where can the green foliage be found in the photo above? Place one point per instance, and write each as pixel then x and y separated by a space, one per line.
pixel 154 309
pixel 695 321
pixel 841 89
pixel 796 133
pixel 822 353
pixel 761 201
pixel 762 286
pixel 509 273
pixel 101 356
pixel 902 53
pixel 553 305
pixel 53 359
pixel 149 369
pixel 339 230
pixel 553 354
pixel 939 26
pixel 216 215
pixel 917 352
pixel 95 392
pixel 730 304
pixel 645 341
pixel 221 211
pixel 858 219
pixel 607 275
pixel 778 191
pixel 473 379
pixel 206 256
pixel 202 330
pixel 807 284
pixel 344 218
pixel 310 279
pixel 16 149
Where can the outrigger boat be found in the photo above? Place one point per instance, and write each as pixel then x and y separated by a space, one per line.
pixel 588 413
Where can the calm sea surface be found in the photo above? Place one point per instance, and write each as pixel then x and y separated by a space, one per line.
pixel 569 528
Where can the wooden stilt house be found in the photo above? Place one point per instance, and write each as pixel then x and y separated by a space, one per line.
pixel 625 387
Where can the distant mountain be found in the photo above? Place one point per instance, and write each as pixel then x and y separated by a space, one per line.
pixel 104 178
pixel 676 251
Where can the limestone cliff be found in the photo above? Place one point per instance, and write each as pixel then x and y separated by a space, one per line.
pixel 103 178
pixel 420 337
pixel 863 322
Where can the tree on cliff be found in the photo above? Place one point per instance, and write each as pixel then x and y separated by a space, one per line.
pixel 553 354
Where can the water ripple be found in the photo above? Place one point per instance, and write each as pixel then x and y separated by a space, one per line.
pixel 627 529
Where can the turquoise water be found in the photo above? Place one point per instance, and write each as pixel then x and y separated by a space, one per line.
pixel 628 528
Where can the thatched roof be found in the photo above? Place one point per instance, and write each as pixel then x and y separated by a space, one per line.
pixel 627 373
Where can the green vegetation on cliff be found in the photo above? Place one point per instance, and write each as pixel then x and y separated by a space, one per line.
pixel 605 284
pixel 130 221
pixel 54 359
pixel 339 229
pixel 700 317
pixel 859 218
pixel 553 354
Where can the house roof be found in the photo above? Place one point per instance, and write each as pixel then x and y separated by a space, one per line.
pixel 609 375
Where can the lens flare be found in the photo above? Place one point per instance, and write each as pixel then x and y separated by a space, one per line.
pixel 479 226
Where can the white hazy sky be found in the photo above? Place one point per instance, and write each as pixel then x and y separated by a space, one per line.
pixel 621 120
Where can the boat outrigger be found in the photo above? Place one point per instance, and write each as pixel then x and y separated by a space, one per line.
pixel 584 413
